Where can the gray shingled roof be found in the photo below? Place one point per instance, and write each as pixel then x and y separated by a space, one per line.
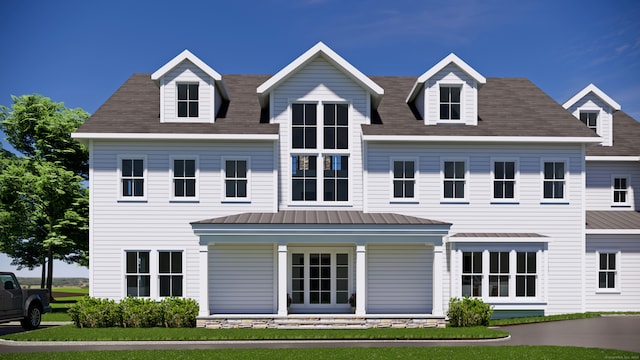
pixel 623 220
pixel 626 138
pixel 507 107
pixel 321 217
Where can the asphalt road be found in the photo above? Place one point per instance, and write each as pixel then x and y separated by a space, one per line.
pixel 615 332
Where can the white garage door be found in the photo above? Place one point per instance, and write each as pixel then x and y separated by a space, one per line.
pixel 399 279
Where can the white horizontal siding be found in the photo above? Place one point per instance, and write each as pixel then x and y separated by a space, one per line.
pixel 399 279
pixel 600 184
pixel 158 222
pixel 321 81
pixel 562 224
pixel 628 265
pixel 241 279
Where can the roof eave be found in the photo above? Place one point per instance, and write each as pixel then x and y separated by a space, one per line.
pixel 597 92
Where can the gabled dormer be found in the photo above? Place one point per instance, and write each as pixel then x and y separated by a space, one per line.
pixel 595 109
pixel 447 93
pixel 190 91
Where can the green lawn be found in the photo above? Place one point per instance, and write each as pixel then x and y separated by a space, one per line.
pixel 62 303
pixel 454 353
pixel 71 333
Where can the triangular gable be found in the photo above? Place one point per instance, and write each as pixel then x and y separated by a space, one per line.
pixel 597 92
pixel 450 59
pixel 186 55
pixel 320 49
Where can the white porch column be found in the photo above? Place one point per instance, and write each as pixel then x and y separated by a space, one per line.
pixel 437 281
pixel 204 281
pixel 282 280
pixel 361 277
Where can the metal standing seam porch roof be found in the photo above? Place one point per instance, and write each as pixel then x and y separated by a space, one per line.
pixel 320 217
pixel 613 220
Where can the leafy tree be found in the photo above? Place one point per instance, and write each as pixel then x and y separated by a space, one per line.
pixel 43 203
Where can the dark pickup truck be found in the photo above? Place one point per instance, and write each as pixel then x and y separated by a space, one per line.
pixel 26 305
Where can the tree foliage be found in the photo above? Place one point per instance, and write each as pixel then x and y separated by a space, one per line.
pixel 43 203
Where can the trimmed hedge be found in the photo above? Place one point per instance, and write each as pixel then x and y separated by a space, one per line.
pixel 134 312
pixel 469 312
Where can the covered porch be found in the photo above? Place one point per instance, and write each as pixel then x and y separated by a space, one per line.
pixel 310 269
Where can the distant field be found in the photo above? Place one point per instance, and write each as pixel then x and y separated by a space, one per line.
pixel 57 282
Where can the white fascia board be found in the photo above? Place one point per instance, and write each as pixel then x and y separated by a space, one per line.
pixel 612 232
pixel 597 92
pixel 319 49
pixel 169 136
pixel 612 158
pixel 451 58
pixel 186 55
pixel 482 139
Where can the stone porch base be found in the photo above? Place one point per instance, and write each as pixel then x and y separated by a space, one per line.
pixel 320 321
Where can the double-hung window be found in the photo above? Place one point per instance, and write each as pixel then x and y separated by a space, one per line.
pixel 504 180
pixel 188 100
pixel 170 273
pixel 404 179
pixel 526 274
pixel 132 178
pixel 336 178
pixel 450 102
pixel 472 274
pixel 607 271
pixel 499 274
pixel 184 178
pixel 236 179
pixel 620 191
pixel 304 177
pixel 336 126
pixel 590 118
pixel 454 182
pixel 554 180
pixel 137 274
pixel 304 126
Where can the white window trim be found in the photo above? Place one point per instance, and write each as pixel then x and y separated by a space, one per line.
pixel 171 178
pixel 320 181
pixel 616 289
pixel 516 185
pixel 416 176
pixel 598 113
pixel 223 175
pixel 464 200
pixel 333 250
pixel 320 126
pixel 564 200
pixel 460 84
pixel 629 190
pixel 512 250
pixel 188 118
pixel 154 271
pixel 144 174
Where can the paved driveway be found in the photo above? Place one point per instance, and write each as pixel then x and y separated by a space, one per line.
pixel 615 332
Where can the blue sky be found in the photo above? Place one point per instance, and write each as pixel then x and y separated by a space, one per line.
pixel 80 52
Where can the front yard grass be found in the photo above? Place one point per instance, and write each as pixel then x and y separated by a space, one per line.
pixel 71 333
pixel 479 352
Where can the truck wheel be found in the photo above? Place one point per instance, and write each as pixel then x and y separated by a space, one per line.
pixel 34 316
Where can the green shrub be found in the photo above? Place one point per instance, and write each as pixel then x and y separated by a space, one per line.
pixel 134 312
pixel 140 313
pixel 469 312
pixel 179 312
pixel 93 313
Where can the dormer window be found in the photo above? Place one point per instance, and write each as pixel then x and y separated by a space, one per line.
pixel 449 102
pixel 589 118
pixel 188 100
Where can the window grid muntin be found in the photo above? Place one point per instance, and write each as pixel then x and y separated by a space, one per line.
pixel 236 178
pixel 188 97
pixel 132 177
pixel 607 270
pixel 620 190
pixel 336 177
pixel 499 273
pixel 554 179
pixel 184 178
pixel 170 270
pixel 137 273
pixel 304 126
pixel 450 102
pixel 590 119
pixel 454 179
pixel 526 274
pixel 404 179
pixel 504 182
pixel 336 126
pixel 304 178
pixel 472 273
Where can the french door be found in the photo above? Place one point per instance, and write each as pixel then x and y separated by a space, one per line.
pixel 320 280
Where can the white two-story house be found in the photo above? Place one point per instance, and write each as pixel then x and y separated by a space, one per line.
pixel 362 200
